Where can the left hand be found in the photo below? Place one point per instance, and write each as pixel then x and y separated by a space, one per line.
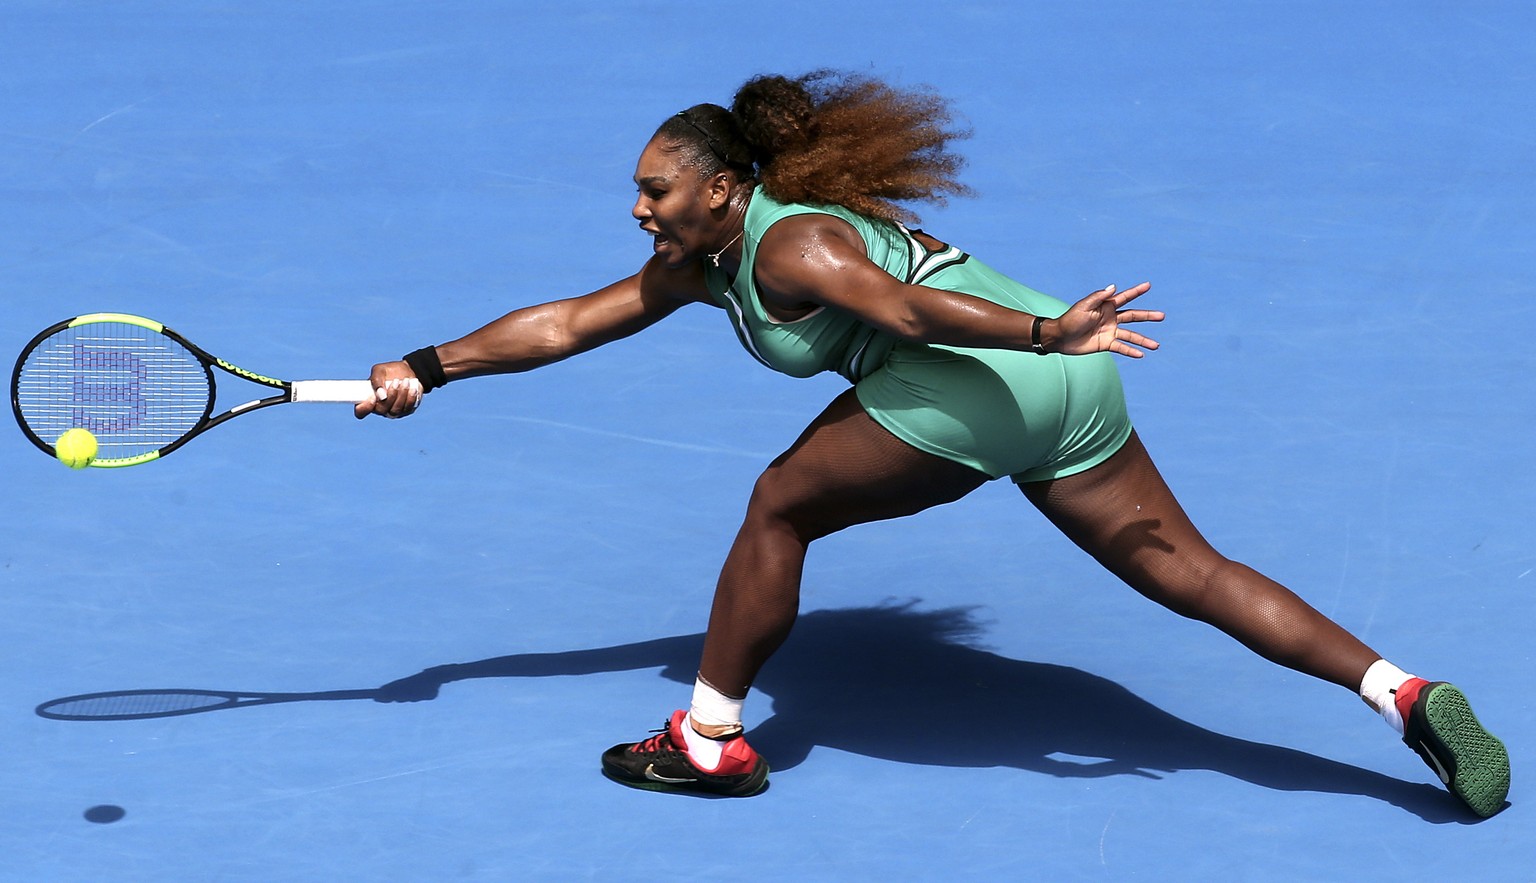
pixel 1097 323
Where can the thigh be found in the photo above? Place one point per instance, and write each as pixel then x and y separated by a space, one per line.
pixel 846 469
pixel 1123 514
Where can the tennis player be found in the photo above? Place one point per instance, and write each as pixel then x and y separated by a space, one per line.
pixel 787 212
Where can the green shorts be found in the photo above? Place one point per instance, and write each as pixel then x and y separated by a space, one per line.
pixel 1003 412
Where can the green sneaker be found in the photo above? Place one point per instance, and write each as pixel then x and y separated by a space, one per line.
pixel 1439 725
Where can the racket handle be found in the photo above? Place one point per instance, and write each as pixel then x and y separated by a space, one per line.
pixel 332 391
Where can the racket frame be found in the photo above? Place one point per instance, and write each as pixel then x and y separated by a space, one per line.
pixel 288 391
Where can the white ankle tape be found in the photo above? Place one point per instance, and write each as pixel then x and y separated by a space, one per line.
pixel 712 708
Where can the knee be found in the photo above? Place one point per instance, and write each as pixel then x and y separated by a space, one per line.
pixel 1229 594
pixel 1211 581
pixel 1191 588
pixel 778 504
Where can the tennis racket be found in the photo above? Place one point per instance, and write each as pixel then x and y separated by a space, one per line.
pixel 142 389
pixel 122 705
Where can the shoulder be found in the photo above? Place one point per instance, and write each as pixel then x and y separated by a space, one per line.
pixel 802 258
pixel 766 214
pixel 797 236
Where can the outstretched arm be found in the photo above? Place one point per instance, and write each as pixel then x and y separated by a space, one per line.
pixel 540 335
pixel 812 260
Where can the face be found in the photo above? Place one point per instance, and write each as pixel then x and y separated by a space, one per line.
pixel 675 206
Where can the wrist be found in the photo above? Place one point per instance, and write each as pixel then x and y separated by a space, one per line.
pixel 427 367
pixel 1037 338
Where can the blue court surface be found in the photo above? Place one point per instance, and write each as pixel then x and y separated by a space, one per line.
pixel 1333 202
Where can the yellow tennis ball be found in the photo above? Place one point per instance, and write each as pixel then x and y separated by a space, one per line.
pixel 76 448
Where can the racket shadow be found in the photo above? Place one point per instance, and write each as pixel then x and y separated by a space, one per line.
pixel 914 671
pixel 122 705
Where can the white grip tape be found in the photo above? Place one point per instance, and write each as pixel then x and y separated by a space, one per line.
pixel 333 391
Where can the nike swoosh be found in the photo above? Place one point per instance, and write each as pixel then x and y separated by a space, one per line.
pixel 650 773
pixel 1445 777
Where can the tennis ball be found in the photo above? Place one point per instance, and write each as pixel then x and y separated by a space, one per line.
pixel 76 448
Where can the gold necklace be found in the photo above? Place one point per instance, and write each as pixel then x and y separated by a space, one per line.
pixel 715 258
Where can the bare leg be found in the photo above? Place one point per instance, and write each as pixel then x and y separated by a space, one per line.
pixel 1123 514
pixel 845 469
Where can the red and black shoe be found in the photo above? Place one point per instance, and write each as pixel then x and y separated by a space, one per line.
pixel 1439 725
pixel 662 763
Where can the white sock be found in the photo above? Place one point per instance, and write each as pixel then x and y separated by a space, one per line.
pixel 1377 688
pixel 704 751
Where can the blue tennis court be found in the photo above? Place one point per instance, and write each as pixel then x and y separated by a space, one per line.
pixel 1331 201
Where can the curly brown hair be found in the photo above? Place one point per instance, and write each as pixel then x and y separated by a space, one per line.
pixel 830 138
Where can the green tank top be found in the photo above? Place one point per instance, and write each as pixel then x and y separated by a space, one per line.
pixel 827 339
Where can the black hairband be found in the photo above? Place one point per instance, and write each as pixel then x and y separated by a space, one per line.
pixel 714 146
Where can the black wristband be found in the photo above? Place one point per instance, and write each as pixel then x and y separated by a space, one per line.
pixel 427 367
pixel 1034 336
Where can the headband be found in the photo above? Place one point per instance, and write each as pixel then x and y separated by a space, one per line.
pixel 714 145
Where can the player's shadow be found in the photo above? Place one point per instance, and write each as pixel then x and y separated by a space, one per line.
pixel 902 684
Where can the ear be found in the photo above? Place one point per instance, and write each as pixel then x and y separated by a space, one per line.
pixel 719 190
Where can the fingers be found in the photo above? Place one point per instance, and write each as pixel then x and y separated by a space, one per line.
pixel 397 393
pixel 1114 296
pixel 398 397
pixel 1130 294
pixel 1097 299
pixel 1127 341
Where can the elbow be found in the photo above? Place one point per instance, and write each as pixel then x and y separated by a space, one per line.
pixel 906 324
pixel 947 319
pixel 541 338
pixel 914 328
pixel 550 343
pixel 932 317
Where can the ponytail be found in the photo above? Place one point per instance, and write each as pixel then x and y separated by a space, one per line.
pixel 828 139
pixel 840 139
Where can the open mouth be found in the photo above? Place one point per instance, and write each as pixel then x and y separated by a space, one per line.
pixel 661 243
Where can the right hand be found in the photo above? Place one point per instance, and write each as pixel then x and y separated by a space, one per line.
pixel 397 389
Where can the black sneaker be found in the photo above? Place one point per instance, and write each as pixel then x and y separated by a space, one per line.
pixel 661 763
pixel 1439 725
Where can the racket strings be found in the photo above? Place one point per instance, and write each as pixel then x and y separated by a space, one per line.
pixel 136 704
pixel 134 389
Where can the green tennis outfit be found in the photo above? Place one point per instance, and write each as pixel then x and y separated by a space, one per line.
pixel 1003 412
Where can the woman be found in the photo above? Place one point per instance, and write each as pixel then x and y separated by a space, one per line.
pixel 783 211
